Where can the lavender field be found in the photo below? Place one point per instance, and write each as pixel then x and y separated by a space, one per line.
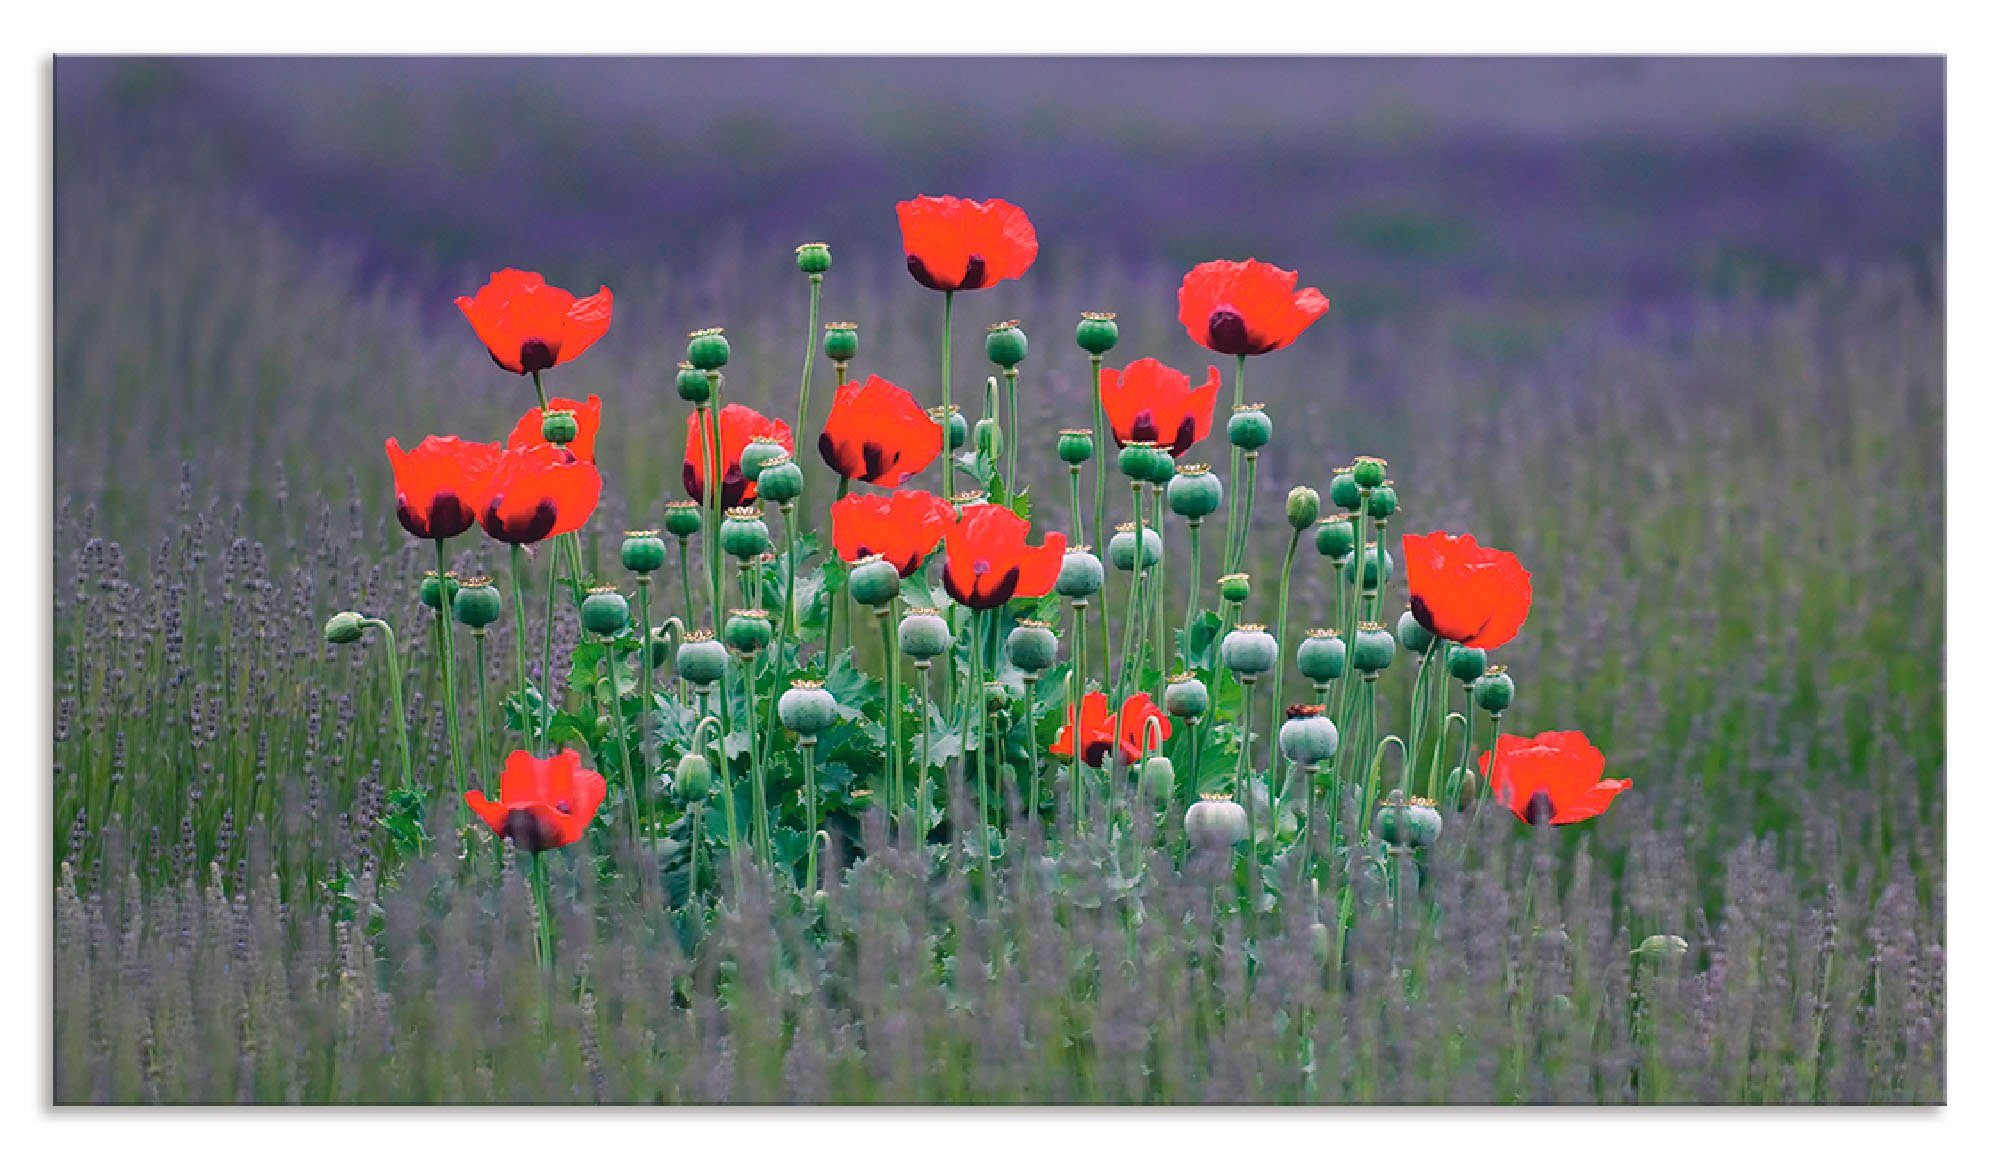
pixel 1671 331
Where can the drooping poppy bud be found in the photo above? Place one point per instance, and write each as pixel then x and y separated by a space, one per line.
pixel 1156 779
pixel 693 777
pixel 345 628
pixel 1301 507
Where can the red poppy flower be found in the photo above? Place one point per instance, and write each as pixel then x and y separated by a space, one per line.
pixel 987 560
pixel 1478 596
pixel 544 804
pixel 1246 307
pixel 903 527
pixel 951 243
pixel 1100 732
pixel 876 433
pixel 529 325
pixel 539 492
pixel 589 412
pixel 739 424
pixel 1151 402
pixel 1556 778
pixel 441 484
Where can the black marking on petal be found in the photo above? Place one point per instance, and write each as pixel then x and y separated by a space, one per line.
pixel 1002 591
pixel 1144 429
pixel 835 455
pixel 691 481
pixel 975 273
pixel 1183 436
pixel 536 355
pixel 449 516
pixel 876 461
pixel 923 275
pixel 531 832
pixel 1228 333
pixel 1094 753
pixel 1541 809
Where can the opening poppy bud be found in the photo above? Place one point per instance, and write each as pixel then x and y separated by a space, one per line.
pixel 841 341
pixel 1345 491
pixel 807 708
pixel 1301 507
pixel 1031 646
pixel 683 518
pixel 643 551
pixel 1369 471
pixel 693 385
pixel 956 425
pixel 1374 649
pixel 344 628
pixel 923 634
pixel 433 591
pixel 762 451
pixel 1125 546
pixel 1098 332
pixel 559 426
pixel 1494 690
pixel 693 777
pixel 1249 427
pixel 1465 664
pixel 1156 779
pixel 1235 587
pixel 1074 447
pixel 1194 492
pixel 1006 344
pixel 1662 947
pixel 986 438
pixel 874 581
pixel 781 481
pixel 1216 822
pixel 1322 655
pixel 744 534
pixel 1082 574
pixel 1249 650
pixel 1335 537
pixel 814 258
pixel 605 612
pixel 1185 696
pixel 701 660
pixel 1376 567
pixel 1411 824
pixel 747 630
pixel 708 349
pixel 1307 737
pixel 1382 502
pixel 1413 635
pixel 477 603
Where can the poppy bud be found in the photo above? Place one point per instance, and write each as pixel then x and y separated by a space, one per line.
pixel 1194 492
pixel 1465 664
pixel 1413 635
pixel 432 591
pixel 1031 646
pixel 683 518
pixel 693 777
pixel 841 342
pixel 1235 587
pixel 1460 786
pixel 1097 333
pixel 1322 655
pixel 1376 567
pixel 747 630
pixel 1185 696
pixel 1322 942
pixel 1344 491
pixel 1369 472
pixel 1074 447
pixel 1156 779
pixel 692 385
pixel 956 424
pixel 1662 947
pixel 1249 651
pixel 807 708
pixel 701 659
pixel 923 634
pixel 814 258
pixel 999 694
pixel 1249 427
pixel 1494 690
pixel 1335 538
pixel 1301 507
pixel 708 349
pixel 1006 344
pixel 344 628
pixel 1412 824
pixel 1215 821
pixel 874 581
pixel 477 603
pixel 781 481
pixel 1124 546
pixel 1082 574
pixel 605 612
pixel 986 438
pixel 559 426
pixel 642 552
pixel 1382 502
pixel 1307 737
pixel 1374 649
pixel 761 452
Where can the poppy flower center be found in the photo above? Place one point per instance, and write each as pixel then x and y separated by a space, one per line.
pixel 1541 808
pixel 1227 332
pixel 536 355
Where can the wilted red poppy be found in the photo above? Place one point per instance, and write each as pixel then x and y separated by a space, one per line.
pixel 903 527
pixel 1556 778
pixel 544 803
pixel 1478 596
pixel 1151 402
pixel 876 433
pixel 589 415
pixel 441 484
pixel 951 243
pixel 740 424
pixel 529 325
pixel 539 492
pixel 1100 732
pixel 987 560
pixel 1246 307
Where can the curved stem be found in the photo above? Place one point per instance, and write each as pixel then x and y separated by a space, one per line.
pixel 396 694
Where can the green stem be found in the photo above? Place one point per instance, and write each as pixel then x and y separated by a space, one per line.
pixel 892 671
pixel 687 585
pixel 1079 664
pixel 1194 580
pixel 485 741
pixel 520 639
pixel 645 582
pixel 1284 610
pixel 445 601
pixel 1243 793
pixel 811 788
pixel 545 936
pixel 924 749
pixel 950 472
pixel 1249 495
pixel 806 375
pixel 1013 377
pixel 396 695
pixel 1100 444
pixel 548 653
pixel 1156 598
pixel 632 805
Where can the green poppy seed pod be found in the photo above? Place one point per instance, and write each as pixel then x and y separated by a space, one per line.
pixel 1301 507
pixel 1249 650
pixel 1662 948
pixel 693 777
pixel 693 385
pixel 1216 822
pixel 986 438
pixel 807 708
pixel 1031 646
pixel 1369 472
pixel 1006 344
pixel 1159 467
pixel 1235 587
pixel 1125 545
pixel 1082 574
pixel 874 581
pixel 1075 446
pixel 1494 690
pixel 605 612
pixel 1374 649
pixel 1377 566
pixel 923 634
pixel 999 694
pixel 1098 332
pixel 1382 502
pixel 1322 943
pixel 1465 664
pixel 761 452
pixel 701 659
pixel 1194 492
pixel 559 426
pixel 643 551
pixel 1307 737
pixel 683 518
pixel 1344 491
pixel 1185 696
pixel 477 603
pixel 344 628
pixel 1335 538
pixel 1156 779
pixel 955 424
pixel 744 534
pixel 432 591
pixel 1411 824
pixel 1322 655
pixel 814 258
pixel 1249 427
pixel 781 481
pixel 841 342
pixel 1134 459
pixel 747 630
pixel 708 349
pixel 1413 635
